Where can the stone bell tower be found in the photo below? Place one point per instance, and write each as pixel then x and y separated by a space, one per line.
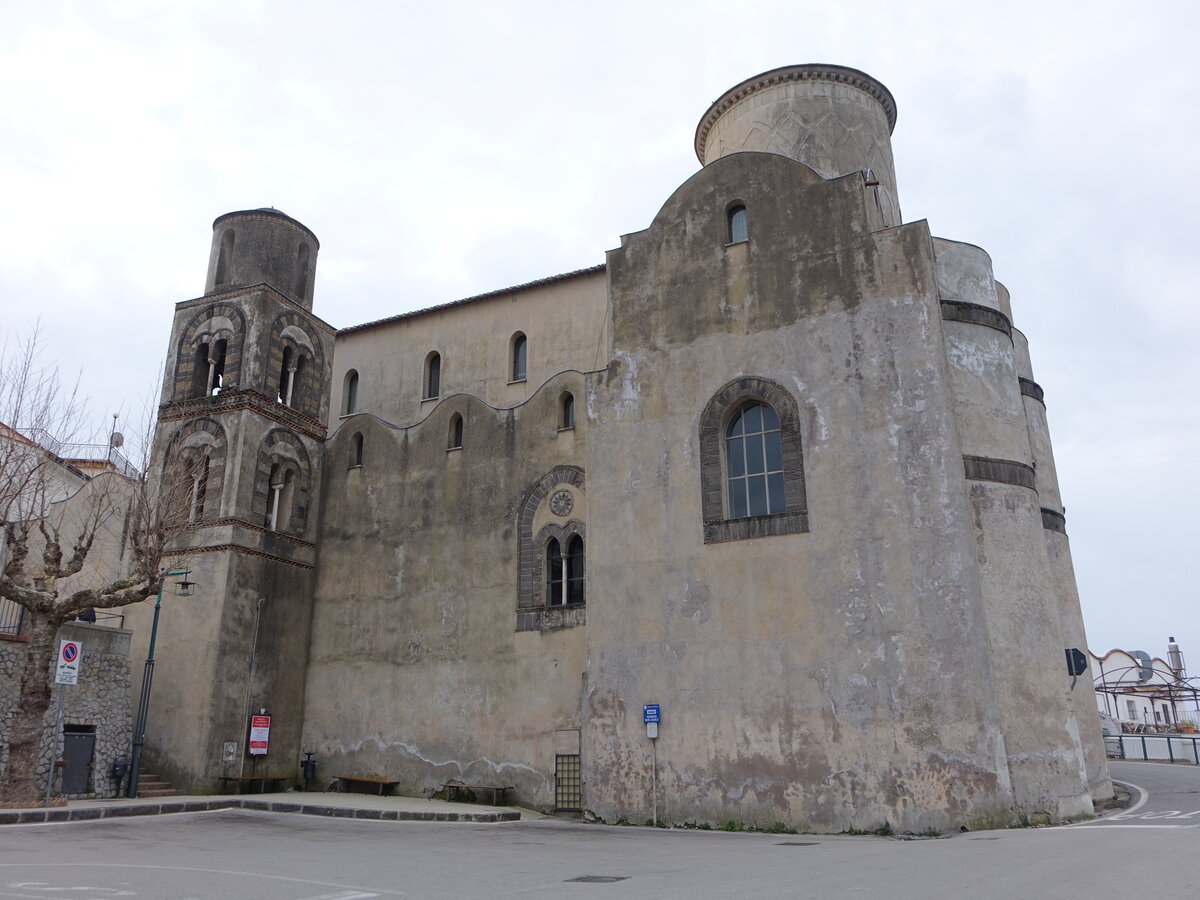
pixel 243 399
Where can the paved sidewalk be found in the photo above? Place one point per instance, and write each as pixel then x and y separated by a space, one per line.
pixel 313 803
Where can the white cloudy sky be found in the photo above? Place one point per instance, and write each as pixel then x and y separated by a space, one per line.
pixel 442 152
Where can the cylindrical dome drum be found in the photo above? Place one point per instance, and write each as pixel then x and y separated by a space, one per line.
pixel 833 119
pixel 263 246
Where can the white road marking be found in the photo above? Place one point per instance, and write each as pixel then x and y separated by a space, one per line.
pixel 48 888
pixel 348 889
pixel 1143 796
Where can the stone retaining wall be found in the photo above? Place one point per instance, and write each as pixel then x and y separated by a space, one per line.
pixel 100 700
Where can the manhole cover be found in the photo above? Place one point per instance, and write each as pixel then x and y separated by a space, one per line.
pixel 599 879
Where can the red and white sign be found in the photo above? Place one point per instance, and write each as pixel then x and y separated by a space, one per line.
pixel 260 734
pixel 69 655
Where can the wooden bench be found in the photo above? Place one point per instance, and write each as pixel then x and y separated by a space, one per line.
pixel 499 792
pixel 237 781
pixel 342 782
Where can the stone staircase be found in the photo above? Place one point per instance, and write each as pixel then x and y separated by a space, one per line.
pixel 152 786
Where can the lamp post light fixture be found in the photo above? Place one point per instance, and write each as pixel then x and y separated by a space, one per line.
pixel 183 589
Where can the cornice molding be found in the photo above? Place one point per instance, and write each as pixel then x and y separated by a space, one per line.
pixel 234 400
pixel 238 548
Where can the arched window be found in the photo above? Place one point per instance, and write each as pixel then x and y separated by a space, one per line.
pixel 566 418
pixel 519 349
pixel 210 367
pixel 282 486
pixel 456 433
pixel 574 569
pixel 356 444
pixel 285 373
pixel 302 270
pixel 753 462
pixel 554 573
pixel 433 376
pixel 737 224
pixel 199 470
pixel 224 257
pixel 351 392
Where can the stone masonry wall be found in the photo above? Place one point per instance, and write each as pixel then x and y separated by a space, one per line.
pixel 100 699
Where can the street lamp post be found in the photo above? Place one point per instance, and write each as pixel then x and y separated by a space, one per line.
pixel 184 589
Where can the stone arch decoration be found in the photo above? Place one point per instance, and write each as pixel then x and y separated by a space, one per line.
pixel 194 468
pixel 282 478
pixel 717 413
pixel 214 324
pixel 295 349
pixel 532 612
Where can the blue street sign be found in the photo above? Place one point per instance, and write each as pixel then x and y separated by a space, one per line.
pixel 650 713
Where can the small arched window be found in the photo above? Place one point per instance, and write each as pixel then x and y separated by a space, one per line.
pixel 566 418
pixel 519 349
pixel 433 376
pixel 351 392
pixel 455 439
pixel 754 462
pixel 356 451
pixel 737 224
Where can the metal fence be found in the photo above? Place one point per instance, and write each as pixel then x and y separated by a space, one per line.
pixel 83 452
pixel 1160 747
pixel 10 617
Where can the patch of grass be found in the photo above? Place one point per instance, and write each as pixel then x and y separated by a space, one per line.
pixel 931 833
pixel 884 830
pixel 780 828
pixel 731 826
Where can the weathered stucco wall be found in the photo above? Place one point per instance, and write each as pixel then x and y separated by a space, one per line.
pixel 563 320
pixel 417 669
pixel 831 679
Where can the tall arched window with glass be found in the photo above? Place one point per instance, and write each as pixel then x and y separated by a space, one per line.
pixel 554 573
pixel 737 225
pixel 574 569
pixel 433 376
pixel 520 347
pixel 754 462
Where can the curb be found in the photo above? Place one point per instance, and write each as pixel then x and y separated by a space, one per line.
pixel 38 816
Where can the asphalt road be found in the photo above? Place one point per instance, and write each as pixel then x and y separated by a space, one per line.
pixel 1164 796
pixel 245 854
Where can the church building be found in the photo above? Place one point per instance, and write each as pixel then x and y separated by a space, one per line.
pixel 776 473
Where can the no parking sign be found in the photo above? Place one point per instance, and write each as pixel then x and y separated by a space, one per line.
pixel 69 655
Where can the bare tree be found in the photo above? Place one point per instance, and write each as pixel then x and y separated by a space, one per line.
pixel 75 538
